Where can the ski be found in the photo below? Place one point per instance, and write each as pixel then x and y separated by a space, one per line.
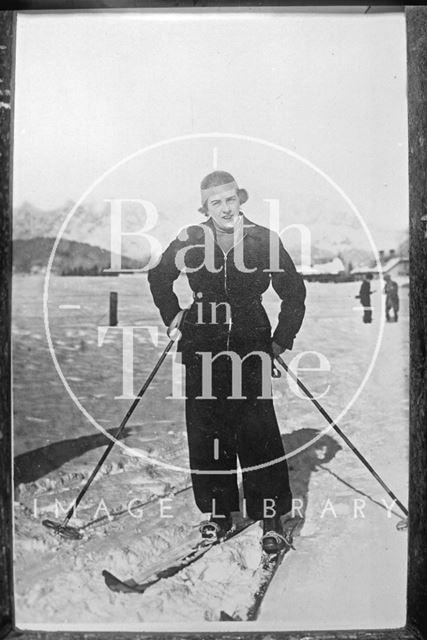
pixel 169 568
pixel 270 564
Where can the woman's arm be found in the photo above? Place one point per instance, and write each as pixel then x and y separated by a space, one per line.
pixel 161 279
pixel 289 286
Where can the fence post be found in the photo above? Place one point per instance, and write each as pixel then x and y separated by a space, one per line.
pixel 113 308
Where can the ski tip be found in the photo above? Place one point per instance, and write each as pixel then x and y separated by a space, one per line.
pixel 120 586
pixel 115 584
pixel 111 581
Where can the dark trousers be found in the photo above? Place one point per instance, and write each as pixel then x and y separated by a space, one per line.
pixel 367 315
pixel 221 430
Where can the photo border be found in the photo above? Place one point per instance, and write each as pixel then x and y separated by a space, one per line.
pixel 416 30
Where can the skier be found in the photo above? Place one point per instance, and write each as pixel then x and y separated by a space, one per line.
pixel 391 290
pixel 226 340
pixel 365 297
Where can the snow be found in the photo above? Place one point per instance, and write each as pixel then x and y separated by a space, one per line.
pixel 348 571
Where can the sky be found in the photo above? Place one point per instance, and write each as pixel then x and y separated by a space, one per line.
pixel 93 88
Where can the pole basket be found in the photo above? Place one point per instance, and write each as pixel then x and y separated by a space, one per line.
pixel 65 531
pixel 402 524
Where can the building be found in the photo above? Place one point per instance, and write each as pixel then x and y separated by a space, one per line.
pixel 394 267
pixel 333 271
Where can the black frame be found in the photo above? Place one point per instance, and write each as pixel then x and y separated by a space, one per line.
pixel 416 627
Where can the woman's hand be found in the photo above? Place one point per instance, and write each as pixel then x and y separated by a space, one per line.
pixel 173 330
pixel 277 349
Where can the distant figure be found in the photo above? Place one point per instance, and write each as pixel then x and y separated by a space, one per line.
pixel 391 290
pixel 365 297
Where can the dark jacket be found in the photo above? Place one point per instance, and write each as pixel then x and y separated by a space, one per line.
pixel 226 282
pixel 391 289
pixel 365 293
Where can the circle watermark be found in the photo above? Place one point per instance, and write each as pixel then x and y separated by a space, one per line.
pixel 145 150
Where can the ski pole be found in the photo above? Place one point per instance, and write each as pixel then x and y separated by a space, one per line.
pixel 328 418
pixel 62 528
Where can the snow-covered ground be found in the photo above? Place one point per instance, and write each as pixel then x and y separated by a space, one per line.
pixel 349 567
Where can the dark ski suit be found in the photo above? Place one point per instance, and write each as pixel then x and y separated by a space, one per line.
pixel 221 428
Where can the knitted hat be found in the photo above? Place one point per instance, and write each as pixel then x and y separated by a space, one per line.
pixel 216 182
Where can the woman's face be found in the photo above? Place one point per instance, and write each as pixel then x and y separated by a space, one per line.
pixel 224 208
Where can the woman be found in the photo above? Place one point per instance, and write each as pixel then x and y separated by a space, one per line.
pixel 225 344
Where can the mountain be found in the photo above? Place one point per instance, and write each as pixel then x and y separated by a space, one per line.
pixel 333 232
pixel 71 258
pixel 90 225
